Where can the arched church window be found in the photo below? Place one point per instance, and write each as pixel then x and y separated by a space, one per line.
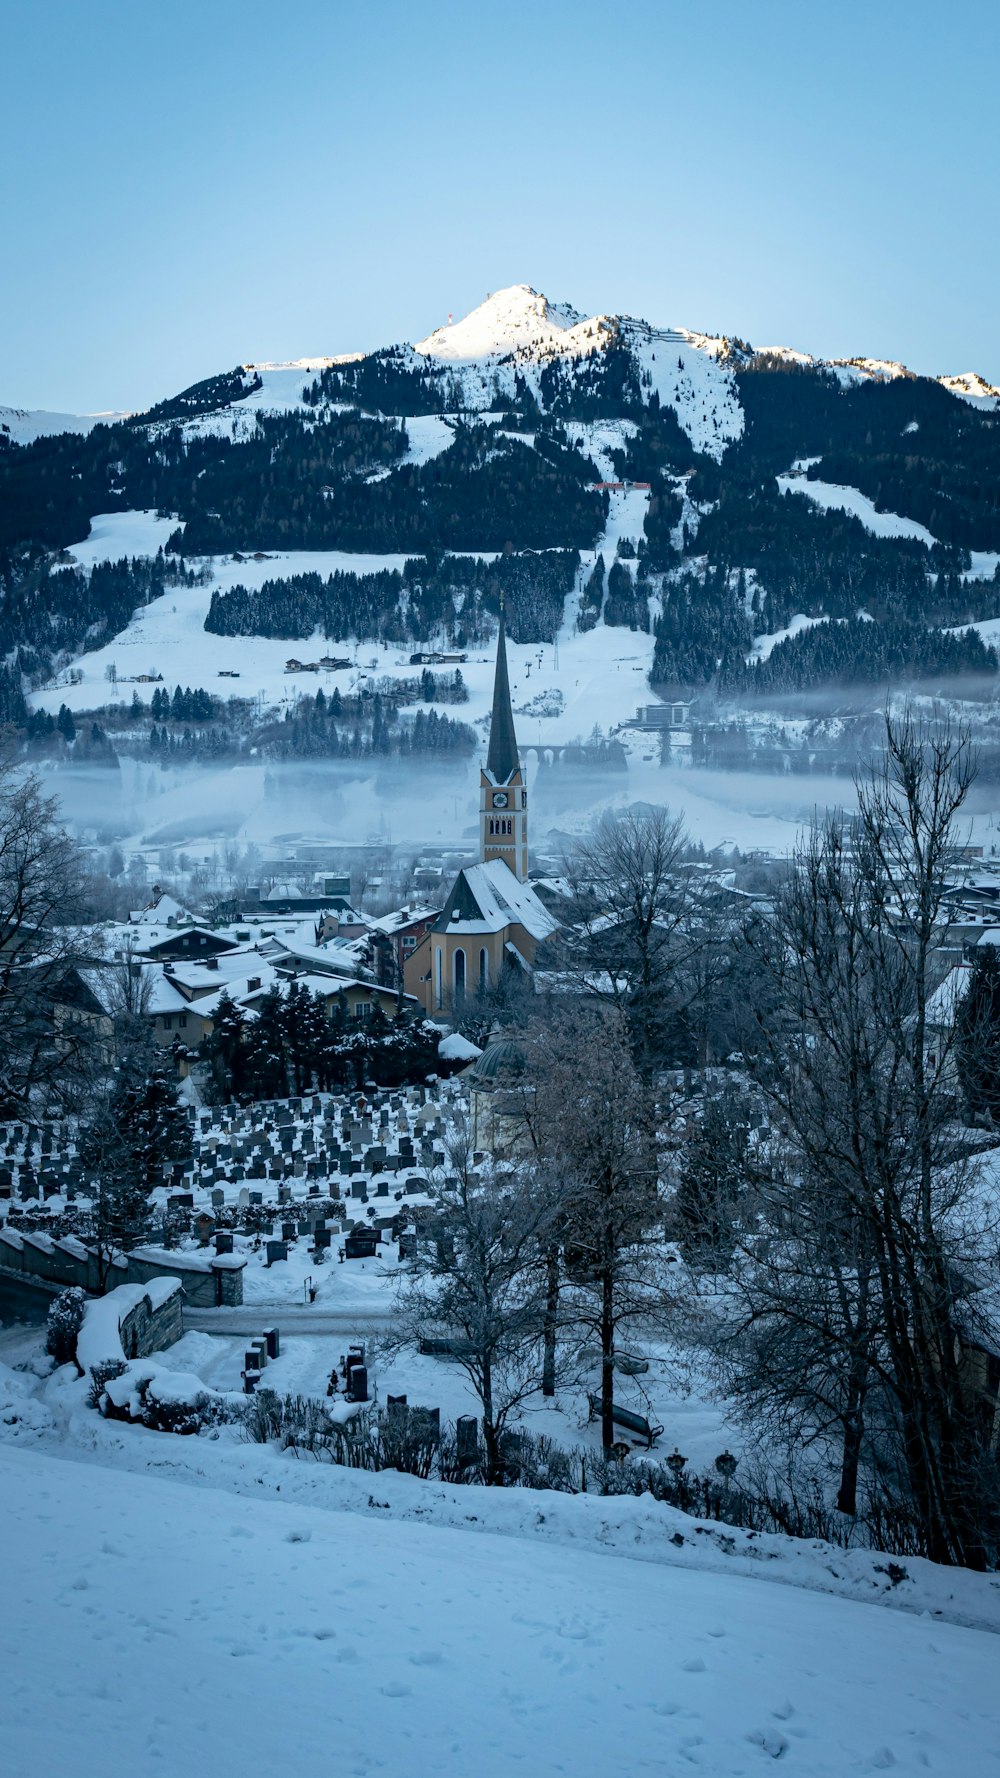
pixel 459 973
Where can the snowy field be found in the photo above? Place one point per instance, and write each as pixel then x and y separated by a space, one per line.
pixel 600 678
pixel 148 1622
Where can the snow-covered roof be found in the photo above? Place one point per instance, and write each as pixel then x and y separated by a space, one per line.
pixel 943 1003
pixel 403 917
pixel 489 898
pixel 160 913
pixel 456 1048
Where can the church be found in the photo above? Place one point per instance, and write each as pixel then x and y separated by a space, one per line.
pixel 492 919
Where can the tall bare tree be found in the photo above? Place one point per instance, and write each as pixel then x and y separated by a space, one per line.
pixel 40 946
pixel 476 1283
pixel 591 1131
pixel 859 1285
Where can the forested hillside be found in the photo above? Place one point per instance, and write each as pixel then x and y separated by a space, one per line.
pixel 770 488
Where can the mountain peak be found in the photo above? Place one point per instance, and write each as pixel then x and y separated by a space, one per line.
pixel 509 320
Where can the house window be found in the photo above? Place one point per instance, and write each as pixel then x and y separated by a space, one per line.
pixel 363 1009
pixel 438 986
pixel 484 970
pixel 182 1020
pixel 459 974
pixel 168 1024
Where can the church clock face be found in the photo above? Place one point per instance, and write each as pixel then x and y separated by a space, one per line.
pixel 500 799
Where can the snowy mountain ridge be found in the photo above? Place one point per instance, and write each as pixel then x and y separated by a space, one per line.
pixel 519 330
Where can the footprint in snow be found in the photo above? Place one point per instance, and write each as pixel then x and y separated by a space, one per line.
pixel 770 1742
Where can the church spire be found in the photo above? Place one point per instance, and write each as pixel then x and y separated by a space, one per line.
pixel 503 796
pixel 501 760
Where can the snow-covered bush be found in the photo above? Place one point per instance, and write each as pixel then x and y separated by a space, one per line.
pixel 180 1416
pixel 100 1376
pixel 65 1318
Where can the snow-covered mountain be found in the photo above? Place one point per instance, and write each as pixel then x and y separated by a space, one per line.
pixel 19 425
pixel 665 506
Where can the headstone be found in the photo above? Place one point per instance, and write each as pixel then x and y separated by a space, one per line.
pixel 223 1241
pixel 467 1440
pixel 276 1250
pixel 273 1343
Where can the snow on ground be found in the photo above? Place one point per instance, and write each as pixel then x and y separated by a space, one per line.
pixel 23 425
pixel 828 495
pixel 763 645
pixel 687 373
pixel 602 677
pixel 602 674
pixel 517 325
pixel 851 500
pixel 515 319
pixel 429 435
pixel 151 1625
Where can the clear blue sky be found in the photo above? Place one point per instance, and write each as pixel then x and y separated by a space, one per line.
pixel 187 184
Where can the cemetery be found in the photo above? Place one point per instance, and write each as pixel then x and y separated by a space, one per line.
pixel 269 1197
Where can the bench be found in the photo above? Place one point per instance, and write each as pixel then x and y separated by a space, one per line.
pixel 451 1347
pixel 631 1422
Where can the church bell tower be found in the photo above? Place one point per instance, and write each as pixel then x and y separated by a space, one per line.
pixel 503 797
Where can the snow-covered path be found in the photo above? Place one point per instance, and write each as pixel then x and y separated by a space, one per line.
pixel 151 1627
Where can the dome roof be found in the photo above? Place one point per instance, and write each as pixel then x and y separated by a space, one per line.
pixel 502 1058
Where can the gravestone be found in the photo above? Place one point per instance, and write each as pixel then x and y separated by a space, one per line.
pixel 276 1250
pixel 467 1440
pixel 223 1241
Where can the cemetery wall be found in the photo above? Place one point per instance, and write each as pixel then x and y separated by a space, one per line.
pixel 208 1283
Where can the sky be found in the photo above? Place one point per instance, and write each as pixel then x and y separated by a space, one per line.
pixel 194 184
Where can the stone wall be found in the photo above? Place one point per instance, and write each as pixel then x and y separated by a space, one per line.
pixel 209 1282
pixel 151 1328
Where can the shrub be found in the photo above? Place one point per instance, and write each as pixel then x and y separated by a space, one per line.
pixel 183 1417
pixel 101 1375
pixel 65 1318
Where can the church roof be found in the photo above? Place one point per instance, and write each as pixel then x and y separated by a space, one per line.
pixel 502 761
pixel 489 898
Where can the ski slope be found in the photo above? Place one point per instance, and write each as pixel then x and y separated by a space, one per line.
pixel 829 495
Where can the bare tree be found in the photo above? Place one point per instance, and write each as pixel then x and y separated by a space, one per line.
pixel 41 1058
pixel 476 1285
pixel 647 941
pixel 592 1132
pixel 859 1289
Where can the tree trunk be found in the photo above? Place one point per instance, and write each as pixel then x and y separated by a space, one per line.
pixel 551 1320
pixel 607 1358
pixel 847 1493
pixel 489 1430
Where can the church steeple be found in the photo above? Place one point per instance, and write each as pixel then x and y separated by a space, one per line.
pixel 503 799
pixel 502 761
